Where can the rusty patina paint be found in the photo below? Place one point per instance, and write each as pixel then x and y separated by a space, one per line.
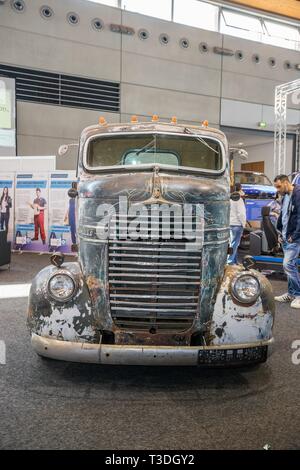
pixel 74 319
pixel 219 318
pixel 233 322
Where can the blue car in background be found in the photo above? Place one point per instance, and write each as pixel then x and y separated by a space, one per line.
pixel 259 191
pixel 295 178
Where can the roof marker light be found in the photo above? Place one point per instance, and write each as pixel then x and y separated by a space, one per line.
pixel 173 120
pixel 102 121
pixel 155 118
pixel 134 119
pixel 205 123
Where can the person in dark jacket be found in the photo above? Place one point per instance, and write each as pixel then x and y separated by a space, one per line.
pixel 289 227
pixel 5 206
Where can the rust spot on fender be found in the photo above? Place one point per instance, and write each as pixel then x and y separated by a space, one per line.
pixel 94 286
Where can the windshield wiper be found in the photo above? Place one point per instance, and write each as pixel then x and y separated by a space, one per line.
pixel 188 131
pixel 147 146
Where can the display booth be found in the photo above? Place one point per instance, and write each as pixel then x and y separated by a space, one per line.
pixel 31 212
pixel 62 223
pixel 7 190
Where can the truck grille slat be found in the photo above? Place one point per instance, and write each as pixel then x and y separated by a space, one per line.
pixel 143 249
pixel 130 255
pixel 150 304
pixel 117 269
pixel 152 276
pixel 156 283
pixel 146 313
pixel 153 263
pixel 145 324
pixel 166 297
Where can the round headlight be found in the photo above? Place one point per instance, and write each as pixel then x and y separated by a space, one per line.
pixel 246 288
pixel 61 286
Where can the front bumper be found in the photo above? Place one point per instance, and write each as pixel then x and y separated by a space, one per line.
pixel 231 354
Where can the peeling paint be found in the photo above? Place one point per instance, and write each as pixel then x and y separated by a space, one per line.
pixel 87 317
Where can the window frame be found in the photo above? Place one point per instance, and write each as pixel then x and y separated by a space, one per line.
pixel 146 14
pixel 262 36
pixel 217 22
pixel 291 44
pixel 130 168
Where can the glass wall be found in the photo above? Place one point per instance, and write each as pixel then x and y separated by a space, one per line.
pixel 243 26
pixel 206 15
pixel 157 8
pixel 195 13
pixel 110 3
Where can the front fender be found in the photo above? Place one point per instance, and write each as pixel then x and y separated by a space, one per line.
pixel 234 323
pixel 72 320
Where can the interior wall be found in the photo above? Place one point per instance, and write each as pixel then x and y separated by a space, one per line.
pixel 155 78
pixel 264 152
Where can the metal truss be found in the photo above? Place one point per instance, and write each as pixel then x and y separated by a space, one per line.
pixel 281 94
pixel 297 162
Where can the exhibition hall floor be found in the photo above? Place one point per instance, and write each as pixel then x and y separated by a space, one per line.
pixel 46 404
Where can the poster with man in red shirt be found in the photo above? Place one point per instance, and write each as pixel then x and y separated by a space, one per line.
pixel 39 206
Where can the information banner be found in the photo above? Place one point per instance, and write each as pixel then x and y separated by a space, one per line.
pixel 7 117
pixel 7 202
pixel 31 212
pixel 62 221
pixel 254 207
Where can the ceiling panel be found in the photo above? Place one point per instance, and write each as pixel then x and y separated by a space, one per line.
pixel 290 8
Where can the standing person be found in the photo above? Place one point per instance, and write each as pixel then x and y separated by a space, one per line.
pixel 238 188
pixel 5 206
pixel 289 226
pixel 237 224
pixel 39 206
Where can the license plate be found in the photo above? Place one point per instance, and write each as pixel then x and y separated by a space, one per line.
pixel 232 356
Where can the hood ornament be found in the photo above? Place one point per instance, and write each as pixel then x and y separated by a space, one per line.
pixel 156 189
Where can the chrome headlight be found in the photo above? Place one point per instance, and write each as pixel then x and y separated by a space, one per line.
pixel 245 288
pixel 61 286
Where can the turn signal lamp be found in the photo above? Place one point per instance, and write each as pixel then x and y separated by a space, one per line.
pixel 134 119
pixel 154 118
pixel 173 120
pixel 205 123
pixel 102 121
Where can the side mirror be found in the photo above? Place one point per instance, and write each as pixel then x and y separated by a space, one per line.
pixel 72 192
pixel 249 262
pixel 63 149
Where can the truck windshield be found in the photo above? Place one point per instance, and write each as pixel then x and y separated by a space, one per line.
pixel 147 149
pixel 251 178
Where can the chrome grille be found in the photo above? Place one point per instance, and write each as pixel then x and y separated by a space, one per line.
pixel 153 284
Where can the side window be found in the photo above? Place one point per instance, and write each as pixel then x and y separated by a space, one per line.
pixel 138 157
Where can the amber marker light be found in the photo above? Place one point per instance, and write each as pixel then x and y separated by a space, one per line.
pixel 134 119
pixel 102 121
pixel 173 120
pixel 154 118
pixel 205 123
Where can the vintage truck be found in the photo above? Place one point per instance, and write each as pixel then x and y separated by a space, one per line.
pixel 151 285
